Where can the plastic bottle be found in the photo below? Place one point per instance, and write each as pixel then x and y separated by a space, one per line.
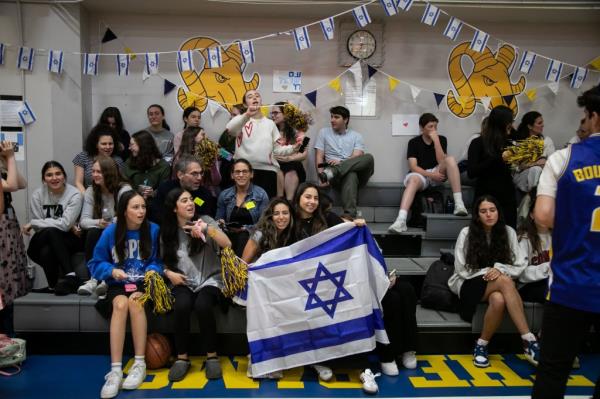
pixel 449 205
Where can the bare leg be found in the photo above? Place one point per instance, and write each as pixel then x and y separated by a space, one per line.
pixel 514 304
pixel 291 182
pixel 280 183
pixel 493 315
pixel 414 184
pixel 450 169
pixel 139 325
pixel 117 328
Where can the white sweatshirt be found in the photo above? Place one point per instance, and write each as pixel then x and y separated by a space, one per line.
pixel 538 267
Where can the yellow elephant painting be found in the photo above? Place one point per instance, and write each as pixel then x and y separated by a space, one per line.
pixel 225 85
pixel 490 78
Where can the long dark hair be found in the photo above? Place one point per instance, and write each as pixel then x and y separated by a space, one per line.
pixel 271 238
pixel 528 120
pixel 53 164
pixel 318 218
pixel 188 141
pixel 165 125
pixel 91 142
pixel 121 230
pixel 113 181
pixel 288 131
pixel 528 228
pixel 481 251
pixel 112 112
pixel 494 135
pixel 148 153
pixel 186 113
pixel 169 232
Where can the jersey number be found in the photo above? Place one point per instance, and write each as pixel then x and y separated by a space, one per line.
pixel 596 215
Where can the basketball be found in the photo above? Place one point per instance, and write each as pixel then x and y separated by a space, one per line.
pixel 158 351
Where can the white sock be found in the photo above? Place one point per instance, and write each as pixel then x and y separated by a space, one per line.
pixel 458 199
pixel 482 342
pixel 118 367
pixel 72 274
pixel 402 215
pixel 529 337
pixel 139 360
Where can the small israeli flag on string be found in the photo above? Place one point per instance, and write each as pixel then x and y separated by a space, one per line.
pixel 361 16
pixel 578 77
pixel 2 47
pixel 213 54
pixel 152 63
pixel 247 51
pixel 25 58
pixel 123 64
pixel 453 28
pixel 301 38
pixel 405 4
pixel 55 61
pixel 327 25
pixel 185 62
pixel 554 70
pixel 25 113
pixel 389 6
pixel 479 41
pixel 527 61
pixel 90 64
pixel 431 15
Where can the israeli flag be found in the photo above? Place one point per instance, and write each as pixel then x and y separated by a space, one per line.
pixel 361 16
pixel 152 63
pixel 389 6
pixel 90 64
pixel 55 61
pixel 405 4
pixel 247 51
pixel 453 28
pixel 554 70
pixel 578 77
pixel 2 47
pixel 185 62
pixel 479 41
pixel 25 58
pixel 328 27
pixel 301 38
pixel 25 113
pixel 431 15
pixel 213 55
pixel 527 61
pixel 316 300
pixel 123 64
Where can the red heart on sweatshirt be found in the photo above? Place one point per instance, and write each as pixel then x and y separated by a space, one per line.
pixel 248 129
pixel 405 124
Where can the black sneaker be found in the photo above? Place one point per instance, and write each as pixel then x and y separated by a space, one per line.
pixel 65 286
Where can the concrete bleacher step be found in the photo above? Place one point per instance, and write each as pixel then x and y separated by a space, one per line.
pixel 444 225
pixel 431 247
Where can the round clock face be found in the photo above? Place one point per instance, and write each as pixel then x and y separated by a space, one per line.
pixel 361 44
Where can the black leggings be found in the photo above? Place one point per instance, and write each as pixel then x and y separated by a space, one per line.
pixel 91 239
pixel 202 303
pixel 267 180
pixel 52 249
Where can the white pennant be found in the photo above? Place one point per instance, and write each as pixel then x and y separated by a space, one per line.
pixel 453 28
pixel 213 54
pixel 90 64
pixel 479 41
pixel 578 77
pixel 328 27
pixel 485 101
pixel 25 58
pixel 123 64
pixel 389 6
pixel 361 16
pixel 247 51
pixel 431 15
pixel 554 87
pixel 151 67
pixel 301 38
pixel 405 4
pixel 527 61
pixel 26 114
pixel 554 70
pixel 213 108
pixel 185 62
pixel 415 91
pixel 145 75
pixel 55 61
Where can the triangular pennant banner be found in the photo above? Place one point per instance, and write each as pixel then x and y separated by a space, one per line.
pixel 265 110
pixel 336 84
pixel 129 51
pixel 415 91
pixel 439 98
pixel 393 82
pixel 144 75
pixel 213 108
pixel 554 87
pixel 485 101
pixel 312 97
pixel 168 87
pixel 531 94
pixel 508 99
pixel 595 63
pixel 109 35
pixel 371 71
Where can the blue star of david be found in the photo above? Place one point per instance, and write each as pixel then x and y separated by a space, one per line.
pixel 184 60
pixel 24 58
pixel 554 71
pixel 314 301
pixel 152 63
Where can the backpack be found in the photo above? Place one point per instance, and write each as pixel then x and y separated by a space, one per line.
pixel 435 293
pixel 12 354
pixel 427 201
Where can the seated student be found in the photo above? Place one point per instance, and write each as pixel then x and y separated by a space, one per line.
pixel 189 177
pixel 189 249
pixel 341 159
pixel 160 132
pixel 55 209
pixel 429 166
pixel 191 118
pixel 239 207
pixel 99 208
pixel 111 116
pixel 487 259
pixel 126 251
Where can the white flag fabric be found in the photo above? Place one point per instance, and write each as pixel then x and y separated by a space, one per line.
pixel 213 54
pixel 389 6
pixel 123 64
pixel 361 16
pixel 55 61
pixel 578 77
pixel 301 38
pixel 405 4
pixel 415 91
pixel 185 62
pixel 485 101
pixel 431 15
pixel 527 61
pixel 152 63
pixel 247 51
pixel 479 41
pixel 90 64
pixel 316 300
pixel 328 28
pixel 554 86
pixel 2 47
pixel 453 28
pixel 554 69
pixel 25 113
pixel 25 58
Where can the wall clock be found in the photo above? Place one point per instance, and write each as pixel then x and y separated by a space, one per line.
pixel 361 44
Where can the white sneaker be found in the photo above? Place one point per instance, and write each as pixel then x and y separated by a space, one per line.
pixel 88 287
pixel 389 368
pixel 249 368
pixel 135 377
pixel 576 364
pixel 324 372
pixel 369 385
pixel 101 289
pixel 399 226
pixel 111 387
pixel 460 210
pixel 409 360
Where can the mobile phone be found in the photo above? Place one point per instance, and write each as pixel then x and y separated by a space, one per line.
pixel 392 273
pixel 305 141
pixel 15 147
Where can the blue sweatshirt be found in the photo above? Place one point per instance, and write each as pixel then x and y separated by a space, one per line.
pixel 105 256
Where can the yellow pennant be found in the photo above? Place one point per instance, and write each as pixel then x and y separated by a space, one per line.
pixel 531 94
pixel 393 82
pixel 336 84
pixel 265 109
pixel 595 63
pixel 130 52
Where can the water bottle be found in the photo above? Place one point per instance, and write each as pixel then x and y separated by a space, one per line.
pixel 449 205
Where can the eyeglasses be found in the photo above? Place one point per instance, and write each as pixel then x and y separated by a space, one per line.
pixel 241 172
pixel 275 113
pixel 195 174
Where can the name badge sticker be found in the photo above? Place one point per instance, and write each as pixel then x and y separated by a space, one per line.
pixel 250 205
pixel 198 201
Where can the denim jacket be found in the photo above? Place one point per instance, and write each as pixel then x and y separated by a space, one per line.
pixel 256 196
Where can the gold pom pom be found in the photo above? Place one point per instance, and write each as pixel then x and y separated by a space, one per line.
pixel 156 290
pixel 234 272
pixel 206 151
pixel 296 118
pixel 524 152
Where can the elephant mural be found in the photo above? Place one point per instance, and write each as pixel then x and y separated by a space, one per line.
pixel 490 78
pixel 225 85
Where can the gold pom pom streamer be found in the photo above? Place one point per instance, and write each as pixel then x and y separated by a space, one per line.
pixel 234 272
pixel 296 118
pixel 524 152
pixel 207 150
pixel 156 290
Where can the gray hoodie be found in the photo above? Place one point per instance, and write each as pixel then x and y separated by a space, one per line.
pixel 49 210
